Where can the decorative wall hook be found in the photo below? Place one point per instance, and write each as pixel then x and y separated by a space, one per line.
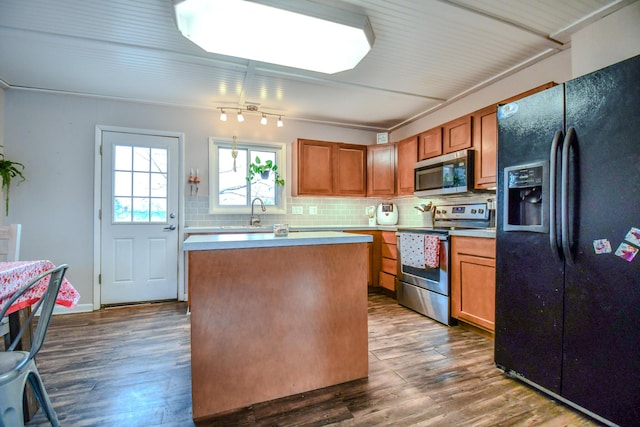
pixel 194 181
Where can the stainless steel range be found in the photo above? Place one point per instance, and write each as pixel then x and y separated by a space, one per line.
pixel 427 288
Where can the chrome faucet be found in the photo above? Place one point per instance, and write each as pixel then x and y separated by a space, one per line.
pixel 255 220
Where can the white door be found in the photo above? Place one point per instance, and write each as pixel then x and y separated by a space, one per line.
pixel 139 236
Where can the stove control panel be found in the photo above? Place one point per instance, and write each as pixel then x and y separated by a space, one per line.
pixel 476 211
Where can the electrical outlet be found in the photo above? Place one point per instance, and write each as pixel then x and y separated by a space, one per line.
pixel 313 210
pixel 296 210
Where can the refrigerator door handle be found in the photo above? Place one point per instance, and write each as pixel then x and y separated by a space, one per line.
pixel 553 171
pixel 564 208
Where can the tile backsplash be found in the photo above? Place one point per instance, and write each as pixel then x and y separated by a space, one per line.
pixel 340 211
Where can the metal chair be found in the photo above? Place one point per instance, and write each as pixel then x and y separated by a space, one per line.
pixel 16 366
pixel 9 251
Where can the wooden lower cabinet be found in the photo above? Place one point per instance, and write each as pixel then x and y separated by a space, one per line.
pixel 473 281
pixel 374 256
pixel 389 260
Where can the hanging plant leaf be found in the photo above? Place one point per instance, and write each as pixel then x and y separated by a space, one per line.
pixel 257 168
pixel 8 171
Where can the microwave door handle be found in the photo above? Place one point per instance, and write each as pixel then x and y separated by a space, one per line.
pixel 564 197
pixel 553 173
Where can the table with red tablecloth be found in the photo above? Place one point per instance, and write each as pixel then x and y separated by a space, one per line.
pixel 14 275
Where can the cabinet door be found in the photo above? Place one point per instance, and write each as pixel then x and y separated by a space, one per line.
pixel 381 170
pixel 485 142
pixel 473 283
pixel 350 170
pixel 407 150
pixel 430 143
pixel 456 135
pixel 374 256
pixel 315 164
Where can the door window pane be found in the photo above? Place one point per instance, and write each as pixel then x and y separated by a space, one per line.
pixel 122 209
pixel 141 158
pixel 140 184
pixel 158 160
pixel 122 183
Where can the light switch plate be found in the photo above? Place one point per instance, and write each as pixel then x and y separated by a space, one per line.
pixel 313 210
pixel 296 210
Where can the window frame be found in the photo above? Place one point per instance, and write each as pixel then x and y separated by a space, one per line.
pixel 280 148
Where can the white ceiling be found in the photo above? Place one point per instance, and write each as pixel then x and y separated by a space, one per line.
pixel 426 53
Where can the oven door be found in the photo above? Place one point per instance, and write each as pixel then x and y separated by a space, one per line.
pixel 432 279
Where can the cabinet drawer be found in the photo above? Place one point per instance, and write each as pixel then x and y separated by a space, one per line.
pixel 389 237
pixel 389 266
pixel 389 251
pixel 388 281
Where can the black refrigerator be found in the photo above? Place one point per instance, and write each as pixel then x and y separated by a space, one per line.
pixel 568 237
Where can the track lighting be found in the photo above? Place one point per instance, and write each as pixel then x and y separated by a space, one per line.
pixel 250 109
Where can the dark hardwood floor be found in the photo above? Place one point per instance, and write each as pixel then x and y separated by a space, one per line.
pixel 131 367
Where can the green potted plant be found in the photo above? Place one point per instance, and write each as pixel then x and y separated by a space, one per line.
pixel 9 170
pixel 264 169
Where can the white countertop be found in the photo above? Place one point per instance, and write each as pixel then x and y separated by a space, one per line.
pixel 202 242
pixel 489 233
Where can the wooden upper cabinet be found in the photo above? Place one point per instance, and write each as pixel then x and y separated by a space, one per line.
pixel 528 92
pixel 485 143
pixel 407 155
pixel 329 169
pixel 430 143
pixel 381 170
pixel 456 135
pixel 350 170
pixel 314 167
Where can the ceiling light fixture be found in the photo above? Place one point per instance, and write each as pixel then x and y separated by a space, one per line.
pixel 300 34
pixel 250 109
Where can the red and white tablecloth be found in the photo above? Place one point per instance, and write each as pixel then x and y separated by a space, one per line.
pixel 15 275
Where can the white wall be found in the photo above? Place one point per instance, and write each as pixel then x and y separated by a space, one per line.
pixel 612 39
pixel 54 136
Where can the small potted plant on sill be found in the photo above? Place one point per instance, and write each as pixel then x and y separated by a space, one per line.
pixel 264 169
pixel 9 170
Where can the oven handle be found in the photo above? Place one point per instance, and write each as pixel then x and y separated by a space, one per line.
pixel 553 171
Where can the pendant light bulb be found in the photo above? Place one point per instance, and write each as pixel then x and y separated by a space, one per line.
pixel 263 120
pixel 240 116
pixel 280 124
pixel 223 116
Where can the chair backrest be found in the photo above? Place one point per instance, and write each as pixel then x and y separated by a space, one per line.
pixel 46 304
pixel 10 242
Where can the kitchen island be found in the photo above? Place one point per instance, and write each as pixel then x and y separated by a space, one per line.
pixel 275 316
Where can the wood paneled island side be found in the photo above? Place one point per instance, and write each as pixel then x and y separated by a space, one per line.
pixel 275 316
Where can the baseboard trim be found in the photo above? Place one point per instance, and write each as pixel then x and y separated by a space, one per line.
pixel 80 308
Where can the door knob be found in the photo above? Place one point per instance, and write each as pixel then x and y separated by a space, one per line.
pixel 170 227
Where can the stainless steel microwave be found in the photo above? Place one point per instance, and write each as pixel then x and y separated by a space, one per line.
pixel 445 175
